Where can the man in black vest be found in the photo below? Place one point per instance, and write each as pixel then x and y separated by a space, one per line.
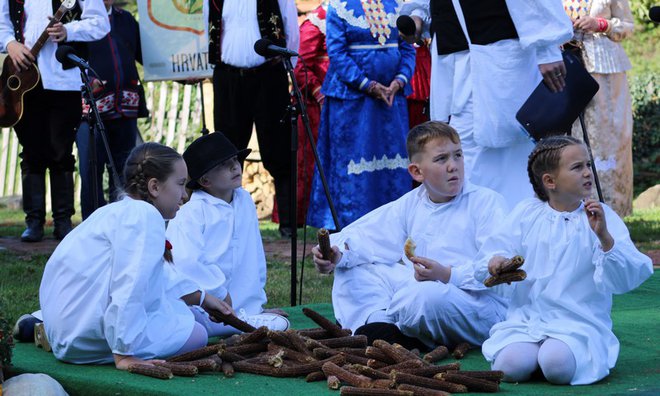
pixel 487 57
pixel 250 89
pixel 51 111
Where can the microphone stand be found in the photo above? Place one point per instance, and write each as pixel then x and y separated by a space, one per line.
pixel 295 109
pixel 96 126
pixel 204 130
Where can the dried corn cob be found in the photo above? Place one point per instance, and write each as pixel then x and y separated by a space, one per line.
pixel 197 353
pixel 181 370
pixel 404 378
pixel 430 371
pixel 473 384
pixel 333 382
pixel 253 337
pixel 324 243
pixel 397 354
pixel 511 264
pixel 419 391
pixel 505 277
pixel 408 364
pixel 227 369
pixel 353 391
pixel 315 376
pixel 460 350
pixel 437 354
pixel 331 369
pixel 378 354
pixel 359 341
pixel 248 349
pixel 490 375
pixel 332 328
pixel 151 371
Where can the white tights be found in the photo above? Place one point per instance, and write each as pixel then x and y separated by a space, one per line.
pixel 520 359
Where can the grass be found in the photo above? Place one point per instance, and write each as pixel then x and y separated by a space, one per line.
pixel 21 273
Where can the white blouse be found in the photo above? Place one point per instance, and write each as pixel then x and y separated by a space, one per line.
pixel 107 289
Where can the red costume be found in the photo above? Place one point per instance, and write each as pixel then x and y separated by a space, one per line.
pixel 418 101
pixel 310 78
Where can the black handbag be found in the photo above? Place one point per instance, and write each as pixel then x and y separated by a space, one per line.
pixel 142 110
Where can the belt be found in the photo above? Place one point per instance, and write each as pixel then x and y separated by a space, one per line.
pixel 248 71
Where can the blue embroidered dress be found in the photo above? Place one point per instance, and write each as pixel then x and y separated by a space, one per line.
pixel 362 141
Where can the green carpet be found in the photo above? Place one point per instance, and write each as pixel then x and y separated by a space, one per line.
pixel 636 318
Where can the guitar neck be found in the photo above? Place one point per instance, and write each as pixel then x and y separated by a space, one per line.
pixel 44 35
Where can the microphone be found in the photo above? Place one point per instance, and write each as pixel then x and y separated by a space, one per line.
pixel 267 49
pixel 66 55
pixel 654 13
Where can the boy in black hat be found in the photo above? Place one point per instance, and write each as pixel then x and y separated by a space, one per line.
pixel 215 236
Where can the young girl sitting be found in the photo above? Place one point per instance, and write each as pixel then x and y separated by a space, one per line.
pixel 577 253
pixel 108 292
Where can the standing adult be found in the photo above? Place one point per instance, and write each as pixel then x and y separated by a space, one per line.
pixel 600 26
pixel 310 72
pixel 52 109
pixel 113 58
pixel 487 58
pixel 364 119
pixel 249 89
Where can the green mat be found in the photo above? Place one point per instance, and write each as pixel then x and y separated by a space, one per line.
pixel 636 322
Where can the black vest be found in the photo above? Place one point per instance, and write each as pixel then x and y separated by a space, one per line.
pixel 487 21
pixel 17 16
pixel 269 18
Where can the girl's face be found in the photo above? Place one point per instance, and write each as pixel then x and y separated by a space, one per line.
pixel 168 195
pixel 571 182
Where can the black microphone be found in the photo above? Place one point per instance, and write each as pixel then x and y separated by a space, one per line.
pixel 267 49
pixel 654 13
pixel 66 55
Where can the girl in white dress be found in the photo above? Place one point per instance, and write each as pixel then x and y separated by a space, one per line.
pixel 109 292
pixel 577 253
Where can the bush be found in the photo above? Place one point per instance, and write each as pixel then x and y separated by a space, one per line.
pixel 6 340
pixel 640 11
pixel 645 94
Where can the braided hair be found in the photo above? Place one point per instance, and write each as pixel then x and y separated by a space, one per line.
pixel 147 161
pixel 545 158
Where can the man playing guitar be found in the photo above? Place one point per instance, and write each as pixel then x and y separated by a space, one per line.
pixel 51 111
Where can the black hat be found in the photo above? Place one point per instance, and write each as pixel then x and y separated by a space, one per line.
pixel 207 152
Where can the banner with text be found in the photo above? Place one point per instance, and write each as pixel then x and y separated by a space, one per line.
pixel 174 43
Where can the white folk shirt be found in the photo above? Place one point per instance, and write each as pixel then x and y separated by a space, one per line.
pixel 567 294
pixel 450 233
pixel 218 245
pixel 240 30
pixel 107 289
pixel 93 25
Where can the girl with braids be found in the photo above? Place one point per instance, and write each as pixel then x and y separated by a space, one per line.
pixel 108 293
pixel 577 254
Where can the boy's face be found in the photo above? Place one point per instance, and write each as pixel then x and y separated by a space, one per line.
pixel 221 180
pixel 440 168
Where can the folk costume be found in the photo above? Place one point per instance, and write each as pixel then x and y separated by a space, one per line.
pixel 310 72
pixel 608 117
pixel 484 65
pixel 113 58
pixel 418 100
pixel 51 111
pixel 567 294
pixel 249 89
pixel 218 245
pixel 117 295
pixel 371 278
pixel 362 140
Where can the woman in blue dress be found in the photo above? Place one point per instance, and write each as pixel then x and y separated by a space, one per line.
pixel 364 120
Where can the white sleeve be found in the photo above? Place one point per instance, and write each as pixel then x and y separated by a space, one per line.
pixel 6 27
pixel 290 22
pixel 542 25
pixel 623 267
pixel 186 234
pixel 377 237
pixel 137 247
pixel 93 24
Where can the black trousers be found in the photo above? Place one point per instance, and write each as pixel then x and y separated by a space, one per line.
pixel 47 130
pixel 261 96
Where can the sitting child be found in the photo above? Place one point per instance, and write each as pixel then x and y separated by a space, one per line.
pixel 432 296
pixel 577 253
pixel 108 292
pixel 215 237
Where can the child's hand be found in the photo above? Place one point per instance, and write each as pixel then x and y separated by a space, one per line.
pixel 214 305
pixel 123 361
pixel 325 266
pixel 427 269
pixel 596 217
pixel 495 264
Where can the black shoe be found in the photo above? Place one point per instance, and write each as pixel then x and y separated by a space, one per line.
pixel 286 232
pixel 390 333
pixel 62 228
pixel 24 328
pixel 33 233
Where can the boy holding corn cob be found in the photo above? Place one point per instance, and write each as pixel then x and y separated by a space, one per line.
pixel 430 296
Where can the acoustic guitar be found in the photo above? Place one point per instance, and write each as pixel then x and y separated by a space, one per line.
pixel 14 84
